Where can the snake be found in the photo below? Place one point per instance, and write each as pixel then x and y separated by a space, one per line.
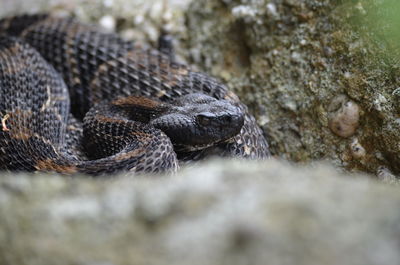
pixel 75 98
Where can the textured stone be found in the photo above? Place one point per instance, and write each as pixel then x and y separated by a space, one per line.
pixel 146 17
pixel 289 60
pixel 222 212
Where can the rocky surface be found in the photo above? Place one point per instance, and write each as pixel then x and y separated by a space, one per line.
pixel 322 76
pixel 222 212
pixel 134 19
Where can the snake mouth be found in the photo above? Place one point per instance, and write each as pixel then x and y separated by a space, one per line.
pixel 191 148
pixel 181 148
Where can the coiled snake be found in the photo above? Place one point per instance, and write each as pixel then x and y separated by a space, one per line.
pixel 77 99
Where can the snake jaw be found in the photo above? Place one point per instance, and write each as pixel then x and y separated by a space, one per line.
pixel 191 148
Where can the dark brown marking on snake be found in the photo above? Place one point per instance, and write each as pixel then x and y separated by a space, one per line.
pixel 71 55
pixel 49 165
pixel 106 119
pixel 17 126
pixel 13 51
pixel 136 101
pixel 130 154
pixel 141 135
pixel 21 133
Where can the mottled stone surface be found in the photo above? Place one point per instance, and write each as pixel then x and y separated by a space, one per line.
pixel 218 213
pixel 298 63
pixel 134 19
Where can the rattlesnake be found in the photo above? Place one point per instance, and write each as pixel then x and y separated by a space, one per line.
pixel 77 99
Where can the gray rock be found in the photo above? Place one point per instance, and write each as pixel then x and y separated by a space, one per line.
pixel 298 63
pixel 147 18
pixel 222 212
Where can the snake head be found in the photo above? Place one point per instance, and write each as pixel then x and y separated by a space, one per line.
pixel 196 121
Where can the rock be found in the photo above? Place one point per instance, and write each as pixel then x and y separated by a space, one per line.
pixel 146 17
pixel 222 212
pixel 290 59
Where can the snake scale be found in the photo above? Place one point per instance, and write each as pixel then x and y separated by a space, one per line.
pixel 77 99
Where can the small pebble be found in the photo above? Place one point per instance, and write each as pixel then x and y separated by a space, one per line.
pixel 344 122
pixel 357 150
pixel 272 9
pixel 108 22
pixel 243 11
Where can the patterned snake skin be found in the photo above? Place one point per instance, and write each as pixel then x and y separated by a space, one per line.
pixel 75 99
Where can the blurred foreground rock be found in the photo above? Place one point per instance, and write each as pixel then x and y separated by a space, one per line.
pixel 219 213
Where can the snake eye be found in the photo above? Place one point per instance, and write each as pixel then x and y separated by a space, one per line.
pixel 204 119
pixel 227 118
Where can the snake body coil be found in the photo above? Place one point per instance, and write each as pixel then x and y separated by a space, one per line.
pixel 77 99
